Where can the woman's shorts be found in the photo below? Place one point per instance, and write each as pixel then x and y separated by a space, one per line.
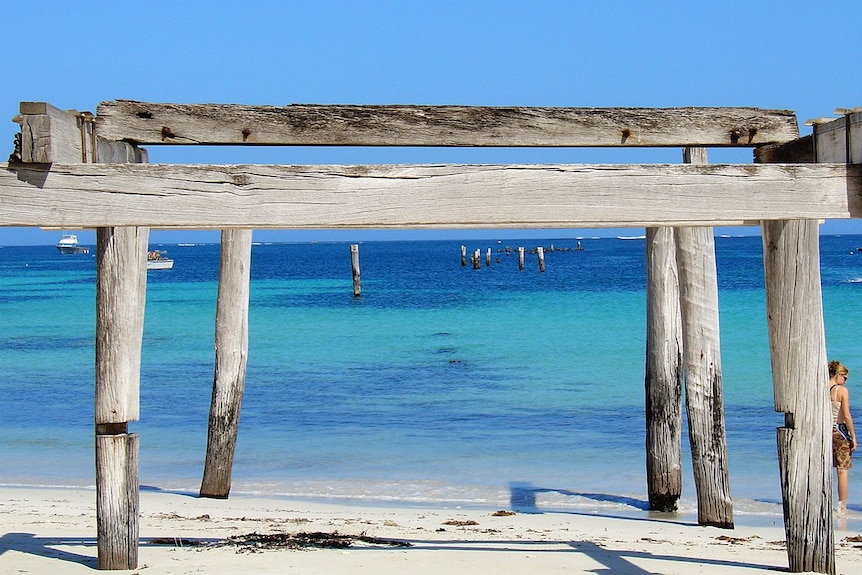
pixel 840 452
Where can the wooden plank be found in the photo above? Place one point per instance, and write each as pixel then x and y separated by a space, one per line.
pixel 447 196
pixel 49 134
pixel 797 344
pixel 350 125
pixel 839 140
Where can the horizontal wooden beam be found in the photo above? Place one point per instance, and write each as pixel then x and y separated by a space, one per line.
pixel 436 196
pixel 347 125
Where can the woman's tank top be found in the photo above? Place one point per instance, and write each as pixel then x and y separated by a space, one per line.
pixel 836 405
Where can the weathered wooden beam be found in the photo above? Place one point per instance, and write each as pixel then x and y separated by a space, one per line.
pixel 49 134
pixel 351 125
pixel 402 197
pixel 799 151
pixel 121 285
pixel 797 343
pixel 231 347
pixel 121 282
pixel 839 140
pixel 120 298
pixel 117 502
pixel 663 373
pixel 698 293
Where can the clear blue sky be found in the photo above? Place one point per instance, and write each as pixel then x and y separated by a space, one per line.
pixel 801 56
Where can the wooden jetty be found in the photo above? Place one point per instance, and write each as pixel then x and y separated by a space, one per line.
pixel 89 171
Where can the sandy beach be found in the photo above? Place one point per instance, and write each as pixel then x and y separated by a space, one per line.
pixel 52 531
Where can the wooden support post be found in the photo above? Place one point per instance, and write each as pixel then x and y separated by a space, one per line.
pixel 477 259
pixel 50 135
pixel 117 501
pixel 698 286
pixel 121 280
pixel 231 346
pixel 663 381
pixel 541 253
pixel 354 262
pixel 521 258
pixel 797 342
pixel 488 258
pixel 463 256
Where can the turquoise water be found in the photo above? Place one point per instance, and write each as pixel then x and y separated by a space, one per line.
pixel 441 383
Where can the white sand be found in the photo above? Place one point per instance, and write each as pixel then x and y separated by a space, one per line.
pixel 52 531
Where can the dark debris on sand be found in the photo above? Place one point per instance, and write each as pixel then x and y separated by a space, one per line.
pixel 303 540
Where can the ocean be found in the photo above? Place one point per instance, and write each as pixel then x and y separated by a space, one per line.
pixel 440 384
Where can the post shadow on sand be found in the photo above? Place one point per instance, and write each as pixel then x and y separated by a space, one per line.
pixel 522 497
pixel 48 546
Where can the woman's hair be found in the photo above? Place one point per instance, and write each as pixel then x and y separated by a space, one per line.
pixel 835 367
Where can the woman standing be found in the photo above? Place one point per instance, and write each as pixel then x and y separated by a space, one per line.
pixel 843 436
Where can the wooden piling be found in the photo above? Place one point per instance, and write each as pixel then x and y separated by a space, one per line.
pixel 231 355
pixel 521 258
pixel 463 256
pixel 698 286
pixel 541 253
pixel 354 262
pixel 488 258
pixel 477 259
pixel 663 381
pixel 121 280
pixel 794 311
pixel 117 501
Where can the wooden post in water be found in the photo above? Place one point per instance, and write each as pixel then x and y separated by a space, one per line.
pixel 698 286
pixel 121 281
pixel 663 381
pixel 463 256
pixel 354 262
pixel 477 259
pixel 541 252
pixel 521 259
pixel 231 356
pixel 797 343
pixel 488 258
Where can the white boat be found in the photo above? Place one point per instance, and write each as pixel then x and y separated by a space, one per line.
pixel 156 260
pixel 68 244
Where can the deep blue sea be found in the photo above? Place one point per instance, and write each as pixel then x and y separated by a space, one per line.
pixel 440 383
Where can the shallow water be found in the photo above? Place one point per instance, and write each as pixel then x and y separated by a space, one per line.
pixel 440 383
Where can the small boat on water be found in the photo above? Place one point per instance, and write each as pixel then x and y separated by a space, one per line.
pixel 157 260
pixel 68 245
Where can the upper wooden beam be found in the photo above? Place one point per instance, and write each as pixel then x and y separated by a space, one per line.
pixel 411 197
pixel 349 125
pixel 49 134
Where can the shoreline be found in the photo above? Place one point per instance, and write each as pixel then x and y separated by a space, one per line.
pixel 52 530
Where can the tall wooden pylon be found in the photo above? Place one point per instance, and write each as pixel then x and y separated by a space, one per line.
pixel 231 345
pixel 663 379
pixel 797 344
pixel 698 287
